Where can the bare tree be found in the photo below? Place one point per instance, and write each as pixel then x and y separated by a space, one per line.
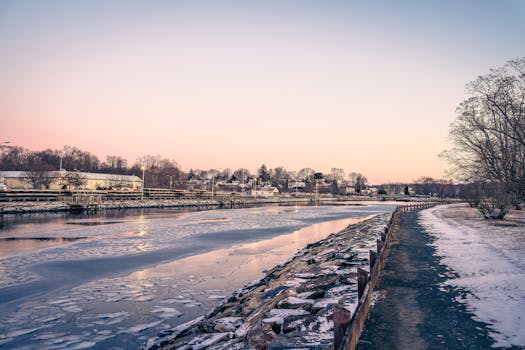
pixel 358 181
pixel 241 174
pixel 38 171
pixel 40 179
pixel 75 179
pixel 489 135
pixel 337 175
pixel 114 165
pixel 160 172
pixel 279 178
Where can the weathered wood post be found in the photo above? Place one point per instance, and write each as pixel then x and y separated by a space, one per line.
pixel 379 246
pixel 372 258
pixel 384 233
pixel 342 318
pixel 362 280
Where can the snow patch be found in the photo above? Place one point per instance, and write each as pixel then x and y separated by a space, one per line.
pixel 487 260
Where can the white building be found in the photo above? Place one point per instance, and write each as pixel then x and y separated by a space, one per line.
pixel 266 192
pixel 16 180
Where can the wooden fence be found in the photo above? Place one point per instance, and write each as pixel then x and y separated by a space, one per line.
pixel 348 327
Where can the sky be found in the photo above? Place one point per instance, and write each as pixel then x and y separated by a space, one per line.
pixel 367 86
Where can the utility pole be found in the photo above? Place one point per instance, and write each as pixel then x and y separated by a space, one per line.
pixel 242 185
pixel 143 175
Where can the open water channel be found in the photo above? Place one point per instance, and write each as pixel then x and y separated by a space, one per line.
pixel 114 280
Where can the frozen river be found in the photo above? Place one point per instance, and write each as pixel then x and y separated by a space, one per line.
pixel 105 282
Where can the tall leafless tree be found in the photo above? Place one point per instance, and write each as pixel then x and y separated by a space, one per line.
pixel 75 180
pixel 358 181
pixel 488 135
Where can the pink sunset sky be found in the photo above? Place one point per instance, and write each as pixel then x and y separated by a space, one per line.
pixel 364 87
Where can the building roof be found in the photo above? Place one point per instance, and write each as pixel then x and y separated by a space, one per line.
pixel 88 176
pixel 266 189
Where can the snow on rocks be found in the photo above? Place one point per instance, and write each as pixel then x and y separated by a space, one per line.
pixel 293 304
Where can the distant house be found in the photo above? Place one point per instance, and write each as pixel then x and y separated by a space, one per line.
pixel 16 180
pixel 298 184
pixel 266 191
pixel 350 190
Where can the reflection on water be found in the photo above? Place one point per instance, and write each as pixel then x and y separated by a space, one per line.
pixel 14 225
pixel 143 226
pixel 91 223
pixel 14 245
pixel 231 268
pixel 211 220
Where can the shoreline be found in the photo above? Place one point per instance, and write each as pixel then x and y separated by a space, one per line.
pixel 19 208
pixel 32 207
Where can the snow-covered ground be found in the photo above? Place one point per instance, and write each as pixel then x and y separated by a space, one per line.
pixel 126 280
pixel 487 260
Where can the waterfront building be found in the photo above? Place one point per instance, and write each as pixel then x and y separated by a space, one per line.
pixel 265 191
pixel 56 180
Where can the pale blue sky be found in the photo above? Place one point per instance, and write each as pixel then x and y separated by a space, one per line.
pixel 367 86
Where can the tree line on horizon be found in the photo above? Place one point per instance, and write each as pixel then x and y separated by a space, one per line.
pixel 488 138
pixel 166 173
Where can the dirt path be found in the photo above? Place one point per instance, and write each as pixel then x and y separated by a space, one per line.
pixel 413 310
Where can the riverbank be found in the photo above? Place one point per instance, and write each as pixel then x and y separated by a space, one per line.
pixel 28 207
pixel 50 207
pixel 293 304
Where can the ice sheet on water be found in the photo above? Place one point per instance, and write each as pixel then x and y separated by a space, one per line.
pixel 72 308
pixel 166 312
pixel 68 342
pixel 488 261
pixel 20 332
pixel 146 234
pixel 141 327
pixel 82 345
pixel 49 336
pixel 97 306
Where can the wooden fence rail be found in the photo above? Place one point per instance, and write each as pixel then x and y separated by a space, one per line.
pixel 347 330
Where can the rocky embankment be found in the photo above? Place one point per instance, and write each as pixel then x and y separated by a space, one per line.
pixel 293 305
pixel 32 207
pixel 39 207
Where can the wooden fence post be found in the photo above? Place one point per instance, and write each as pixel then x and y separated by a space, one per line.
pixel 342 318
pixel 379 246
pixel 362 280
pixel 372 258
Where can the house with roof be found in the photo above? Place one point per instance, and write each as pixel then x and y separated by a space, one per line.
pixel 56 180
pixel 265 191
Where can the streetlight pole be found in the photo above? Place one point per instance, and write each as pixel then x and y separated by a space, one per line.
pixel 213 183
pixel 60 157
pixel 143 175
pixel 242 186
pixel 212 186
